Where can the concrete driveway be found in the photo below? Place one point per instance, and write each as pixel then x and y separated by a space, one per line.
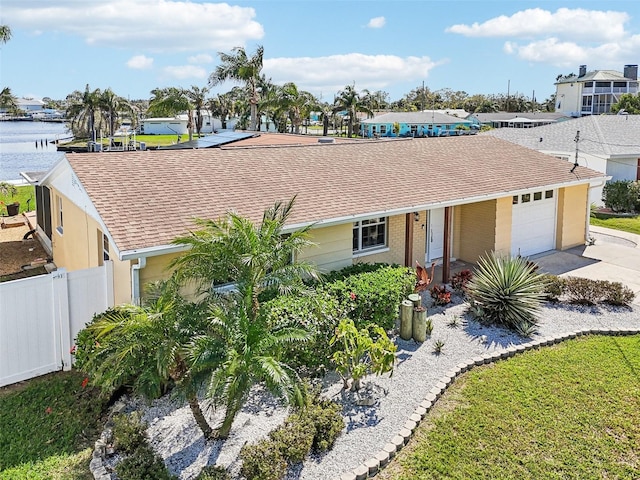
pixel 615 256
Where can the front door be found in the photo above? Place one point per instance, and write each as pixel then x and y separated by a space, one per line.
pixel 435 235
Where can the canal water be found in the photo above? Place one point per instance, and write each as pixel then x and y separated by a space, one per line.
pixel 29 147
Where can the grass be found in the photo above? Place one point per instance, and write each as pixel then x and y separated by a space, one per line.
pixel 150 140
pixel 565 412
pixel 47 426
pixel 626 224
pixel 25 192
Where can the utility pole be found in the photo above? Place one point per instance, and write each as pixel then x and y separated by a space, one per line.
pixel 577 140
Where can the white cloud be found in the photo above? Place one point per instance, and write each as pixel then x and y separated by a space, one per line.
pixel 140 62
pixel 576 24
pixel 327 75
pixel 377 22
pixel 200 58
pixel 182 72
pixel 154 25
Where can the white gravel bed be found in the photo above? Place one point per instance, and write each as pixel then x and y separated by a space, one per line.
pixel 175 436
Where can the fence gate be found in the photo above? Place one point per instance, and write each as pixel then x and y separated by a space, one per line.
pixel 40 316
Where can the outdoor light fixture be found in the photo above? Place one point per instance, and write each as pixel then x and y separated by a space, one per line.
pixel 416 216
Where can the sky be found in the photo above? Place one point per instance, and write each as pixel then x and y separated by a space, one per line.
pixel 477 46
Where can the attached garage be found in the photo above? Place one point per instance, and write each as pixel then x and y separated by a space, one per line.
pixel 533 224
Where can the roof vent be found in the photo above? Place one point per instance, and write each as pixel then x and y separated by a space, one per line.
pixel 326 140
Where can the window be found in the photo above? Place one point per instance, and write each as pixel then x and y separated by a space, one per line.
pixel 548 194
pixel 383 129
pixel 537 196
pixel 370 234
pixel 59 228
pixel 105 249
pixel 526 197
pixel 515 200
pixel 414 130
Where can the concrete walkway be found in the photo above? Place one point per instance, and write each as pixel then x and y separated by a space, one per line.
pixel 615 256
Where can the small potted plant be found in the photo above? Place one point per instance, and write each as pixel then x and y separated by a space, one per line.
pixel 9 190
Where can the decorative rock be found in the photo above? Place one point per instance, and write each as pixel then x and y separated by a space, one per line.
pixel 382 457
pixel 373 464
pixel 361 472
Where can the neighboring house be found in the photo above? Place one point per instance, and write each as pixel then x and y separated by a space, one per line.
pixel 397 201
pixel 517 120
pixel 593 93
pixel 429 123
pixel 178 125
pixel 609 144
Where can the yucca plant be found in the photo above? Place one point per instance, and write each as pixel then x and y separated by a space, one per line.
pixel 507 292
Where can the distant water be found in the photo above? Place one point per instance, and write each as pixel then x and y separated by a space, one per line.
pixel 27 147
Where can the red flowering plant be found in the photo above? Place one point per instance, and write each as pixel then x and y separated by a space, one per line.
pixel 440 295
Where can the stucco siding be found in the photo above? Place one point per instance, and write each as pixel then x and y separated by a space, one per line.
pixel 419 239
pixel 332 249
pixel 572 216
pixel 477 224
pixel 503 225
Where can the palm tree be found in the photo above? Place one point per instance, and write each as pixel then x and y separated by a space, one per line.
pixel 350 101
pixel 148 348
pixel 238 67
pixel 197 97
pixel 85 112
pixel 256 259
pixel 171 101
pixel 296 103
pixel 5 33
pixel 222 106
pixel 8 101
pixel 113 106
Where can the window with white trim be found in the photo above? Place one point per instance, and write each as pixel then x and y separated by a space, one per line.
pixel 370 234
pixel 59 228
pixel 106 256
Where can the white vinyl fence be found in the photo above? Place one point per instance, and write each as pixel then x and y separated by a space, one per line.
pixel 41 316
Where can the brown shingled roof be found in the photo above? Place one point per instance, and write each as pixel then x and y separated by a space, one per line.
pixel 146 199
pixel 280 139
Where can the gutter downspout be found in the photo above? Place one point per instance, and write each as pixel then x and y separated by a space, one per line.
pixel 136 293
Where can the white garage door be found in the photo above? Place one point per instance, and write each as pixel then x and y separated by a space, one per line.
pixel 533 227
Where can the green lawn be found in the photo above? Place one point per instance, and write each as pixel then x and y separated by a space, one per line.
pixel 47 427
pixel 626 224
pixel 25 192
pixel 571 411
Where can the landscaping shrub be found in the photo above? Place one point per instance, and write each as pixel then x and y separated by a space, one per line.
pixel 317 313
pixel 262 461
pixel 128 432
pixel 325 415
pixel 553 287
pixel 507 292
pixel 294 437
pixel 213 472
pixel 618 294
pixel 622 195
pixel 460 280
pixel 143 464
pixel 355 269
pixel 584 291
pixel 374 297
pixel 440 294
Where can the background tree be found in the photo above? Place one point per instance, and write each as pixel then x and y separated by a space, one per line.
pixel 237 66
pixel 5 33
pixel 114 107
pixel 85 112
pixel 8 101
pixel 170 101
pixel 349 101
pixel 222 106
pixel 628 102
pixel 197 98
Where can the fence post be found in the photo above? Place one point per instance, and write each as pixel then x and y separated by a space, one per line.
pixel 109 293
pixel 62 320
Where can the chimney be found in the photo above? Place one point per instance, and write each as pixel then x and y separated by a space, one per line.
pixel 583 71
pixel 631 71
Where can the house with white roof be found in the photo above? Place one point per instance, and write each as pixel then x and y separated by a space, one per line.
pixel 593 92
pixel 609 144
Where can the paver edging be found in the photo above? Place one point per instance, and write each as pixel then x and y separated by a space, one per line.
pixel 391 449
